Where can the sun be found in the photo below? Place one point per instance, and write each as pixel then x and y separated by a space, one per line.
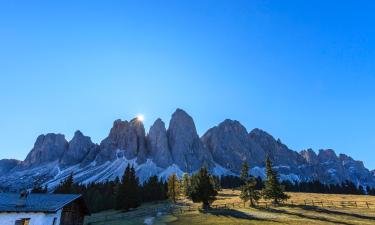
pixel 140 118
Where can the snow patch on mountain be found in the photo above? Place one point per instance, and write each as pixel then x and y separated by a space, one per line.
pixel 258 172
pixel 221 171
pixel 147 170
pixel 290 177
pixel 171 170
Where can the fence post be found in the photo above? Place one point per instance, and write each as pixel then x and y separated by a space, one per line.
pixel 305 202
pixel 356 204
pixel 367 205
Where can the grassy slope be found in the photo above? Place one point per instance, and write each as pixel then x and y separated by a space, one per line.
pixel 238 216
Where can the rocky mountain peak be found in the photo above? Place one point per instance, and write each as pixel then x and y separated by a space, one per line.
pixel 228 144
pixel 275 149
pixel 261 135
pixel 230 126
pixel 125 139
pixel 327 155
pixel 157 143
pixel 47 148
pixel 310 156
pixel 7 164
pixel 79 147
pixel 186 147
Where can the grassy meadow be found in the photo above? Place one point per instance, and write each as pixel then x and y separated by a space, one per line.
pixel 228 210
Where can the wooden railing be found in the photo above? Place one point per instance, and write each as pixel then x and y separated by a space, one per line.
pixel 235 205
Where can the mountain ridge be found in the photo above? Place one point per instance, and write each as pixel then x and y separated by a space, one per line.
pixel 176 149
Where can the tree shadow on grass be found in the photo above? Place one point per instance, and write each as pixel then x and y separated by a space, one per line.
pixel 227 195
pixel 334 212
pixel 304 216
pixel 234 214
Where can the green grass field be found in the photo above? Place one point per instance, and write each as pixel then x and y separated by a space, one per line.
pixel 165 214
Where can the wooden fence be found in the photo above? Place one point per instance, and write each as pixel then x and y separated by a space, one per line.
pixel 234 205
pixel 314 203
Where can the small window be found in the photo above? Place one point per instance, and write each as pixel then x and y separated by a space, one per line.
pixel 24 221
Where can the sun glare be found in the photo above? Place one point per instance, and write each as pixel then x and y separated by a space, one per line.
pixel 140 118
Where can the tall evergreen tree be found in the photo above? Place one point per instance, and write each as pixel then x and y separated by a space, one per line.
pixel 244 171
pixel 173 187
pixel 128 194
pixel 202 188
pixel 134 192
pixel 186 184
pixel 153 190
pixel 272 189
pixel 37 188
pixel 66 186
pixel 248 189
pixel 216 182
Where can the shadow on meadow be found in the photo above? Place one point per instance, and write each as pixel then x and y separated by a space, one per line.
pixel 310 217
pixel 332 212
pixel 231 213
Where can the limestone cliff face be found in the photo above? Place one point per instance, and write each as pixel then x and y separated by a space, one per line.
pixel 157 143
pixel 78 149
pixel 229 144
pixel 47 148
pixel 278 152
pixel 8 164
pixel 186 147
pixel 126 139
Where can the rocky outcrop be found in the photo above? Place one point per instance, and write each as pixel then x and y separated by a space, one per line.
pixel 157 143
pixel 7 164
pixel 78 149
pixel 229 144
pixel 126 139
pixel 279 153
pixel 47 148
pixel 186 147
pixel 310 156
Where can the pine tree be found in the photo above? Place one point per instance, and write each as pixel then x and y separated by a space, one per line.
pixel 272 189
pixel 37 188
pixel 66 186
pixel 173 187
pixel 185 185
pixel 134 192
pixel 128 195
pixel 244 171
pixel 153 190
pixel 202 188
pixel 248 189
pixel 216 182
pixel 122 189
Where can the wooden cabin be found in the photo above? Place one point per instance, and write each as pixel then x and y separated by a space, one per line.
pixel 42 209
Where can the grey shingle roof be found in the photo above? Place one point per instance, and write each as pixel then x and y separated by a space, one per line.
pixel 35 202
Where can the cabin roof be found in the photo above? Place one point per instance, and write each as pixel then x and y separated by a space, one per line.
pixel 48 203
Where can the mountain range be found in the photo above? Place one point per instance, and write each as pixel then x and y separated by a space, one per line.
pixel 176 149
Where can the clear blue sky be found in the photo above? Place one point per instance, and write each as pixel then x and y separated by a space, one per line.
pixel 305 72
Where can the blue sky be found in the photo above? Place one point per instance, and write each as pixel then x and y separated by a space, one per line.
pixel 304 72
